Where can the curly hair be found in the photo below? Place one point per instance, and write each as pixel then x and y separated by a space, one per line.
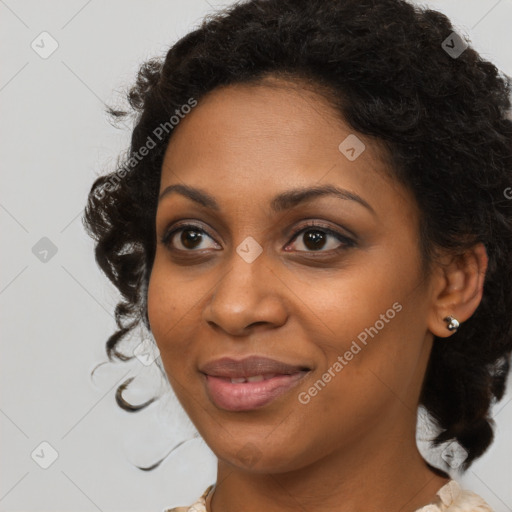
pixel 445 122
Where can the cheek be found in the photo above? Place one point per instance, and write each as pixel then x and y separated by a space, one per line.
pixel 377 364
pixel 174 302
pixel 362 381
pixel 373 319
pixel 341 309
pixel 164 313
pixel 159 305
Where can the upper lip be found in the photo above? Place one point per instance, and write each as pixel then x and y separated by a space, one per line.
pixel 228 367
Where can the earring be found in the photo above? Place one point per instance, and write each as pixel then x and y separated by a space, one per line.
pixel 453 323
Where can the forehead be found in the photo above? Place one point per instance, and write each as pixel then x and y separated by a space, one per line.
pixel 254 140
pixel 260 118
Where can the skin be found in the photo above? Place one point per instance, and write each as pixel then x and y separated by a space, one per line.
pixel 243 145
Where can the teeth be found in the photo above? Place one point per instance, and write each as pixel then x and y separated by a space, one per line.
pixel 256 378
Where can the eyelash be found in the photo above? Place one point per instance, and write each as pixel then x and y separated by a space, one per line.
pixel 346 242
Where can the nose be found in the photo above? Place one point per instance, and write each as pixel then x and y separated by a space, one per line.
pixel 247 296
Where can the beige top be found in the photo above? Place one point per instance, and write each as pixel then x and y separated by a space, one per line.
pixel 451 498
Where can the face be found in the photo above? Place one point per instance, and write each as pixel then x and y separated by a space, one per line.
pixel 248 263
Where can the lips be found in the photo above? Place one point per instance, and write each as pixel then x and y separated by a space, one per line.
pixel 250 383
pixel 253 366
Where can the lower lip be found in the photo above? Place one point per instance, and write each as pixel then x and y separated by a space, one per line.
pixel 246 396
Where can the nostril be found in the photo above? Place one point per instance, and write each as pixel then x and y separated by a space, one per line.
pixel 256 323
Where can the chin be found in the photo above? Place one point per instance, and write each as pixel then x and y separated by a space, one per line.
pixel 262 457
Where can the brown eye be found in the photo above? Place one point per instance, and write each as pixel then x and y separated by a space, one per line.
pixel 187 238
pixel 314 238
pixel 190 238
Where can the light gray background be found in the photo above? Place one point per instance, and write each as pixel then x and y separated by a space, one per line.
pixel 56 315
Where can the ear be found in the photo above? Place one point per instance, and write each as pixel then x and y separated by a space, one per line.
pixel 458 284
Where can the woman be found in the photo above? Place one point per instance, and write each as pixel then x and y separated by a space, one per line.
pixel 313 223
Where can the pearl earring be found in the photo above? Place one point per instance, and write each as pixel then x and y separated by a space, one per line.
pixel 453 323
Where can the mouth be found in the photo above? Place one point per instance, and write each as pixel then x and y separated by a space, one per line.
pixel 250 383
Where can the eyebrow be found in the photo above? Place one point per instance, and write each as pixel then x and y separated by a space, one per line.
pixel 283 201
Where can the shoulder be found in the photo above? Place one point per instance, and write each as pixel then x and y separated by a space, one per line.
pixel 453 498
pixel 198 506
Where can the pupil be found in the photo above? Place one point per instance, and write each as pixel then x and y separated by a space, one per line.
pixel 190 240
pixel 314 239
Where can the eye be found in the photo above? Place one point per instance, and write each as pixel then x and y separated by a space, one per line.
pixel 315 237
pixel 191 238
